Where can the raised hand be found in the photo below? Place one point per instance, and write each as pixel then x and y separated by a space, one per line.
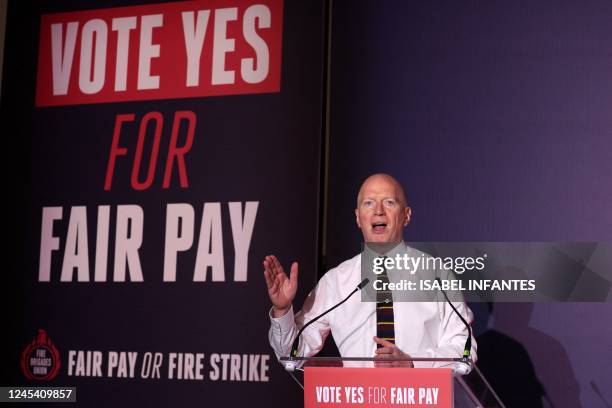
pixel 281 288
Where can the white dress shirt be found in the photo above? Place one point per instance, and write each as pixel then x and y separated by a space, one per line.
pixel 422 329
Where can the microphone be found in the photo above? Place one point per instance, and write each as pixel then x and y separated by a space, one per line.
pixel 296 342
pixel 467 350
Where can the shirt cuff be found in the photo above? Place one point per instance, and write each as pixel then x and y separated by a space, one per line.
pixel 284 323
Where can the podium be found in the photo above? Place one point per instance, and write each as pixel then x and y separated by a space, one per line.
pixel 391 382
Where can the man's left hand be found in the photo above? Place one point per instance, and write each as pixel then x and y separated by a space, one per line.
pixel 389 351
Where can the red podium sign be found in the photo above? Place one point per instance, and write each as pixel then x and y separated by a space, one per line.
pixel 377 387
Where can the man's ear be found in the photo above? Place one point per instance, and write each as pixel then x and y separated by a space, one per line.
pixel 357 217
pixel 407 215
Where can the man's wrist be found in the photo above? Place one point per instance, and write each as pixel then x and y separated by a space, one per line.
pixel 278 312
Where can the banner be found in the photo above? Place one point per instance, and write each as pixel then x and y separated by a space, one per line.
pixel 173 147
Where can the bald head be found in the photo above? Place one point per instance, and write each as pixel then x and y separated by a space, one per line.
pixel 382 211
pixel 382 178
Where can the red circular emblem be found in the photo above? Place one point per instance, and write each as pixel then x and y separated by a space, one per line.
pixel 40 360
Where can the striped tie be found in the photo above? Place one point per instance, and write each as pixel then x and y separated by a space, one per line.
pixel 385 326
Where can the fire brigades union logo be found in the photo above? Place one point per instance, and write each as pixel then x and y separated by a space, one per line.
pixel 40 360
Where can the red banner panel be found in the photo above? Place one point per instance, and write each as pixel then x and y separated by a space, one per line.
pixel 160 51
pixel 377 387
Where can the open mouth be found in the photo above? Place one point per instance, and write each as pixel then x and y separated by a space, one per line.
pixel 379 227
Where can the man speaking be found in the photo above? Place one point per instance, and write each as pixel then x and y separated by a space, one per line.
pixel 366 329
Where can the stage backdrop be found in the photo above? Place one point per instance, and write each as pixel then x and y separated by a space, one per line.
pixel 171 147
pixel 497 119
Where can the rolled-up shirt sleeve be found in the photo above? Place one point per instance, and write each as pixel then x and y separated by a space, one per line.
pixel 284 329
pixel 452 338
pixel 282 332
pixel 452 332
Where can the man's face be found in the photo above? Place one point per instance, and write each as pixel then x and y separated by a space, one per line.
pixel 381 210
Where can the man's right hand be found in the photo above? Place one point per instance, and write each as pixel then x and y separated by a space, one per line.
pixel 281 288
